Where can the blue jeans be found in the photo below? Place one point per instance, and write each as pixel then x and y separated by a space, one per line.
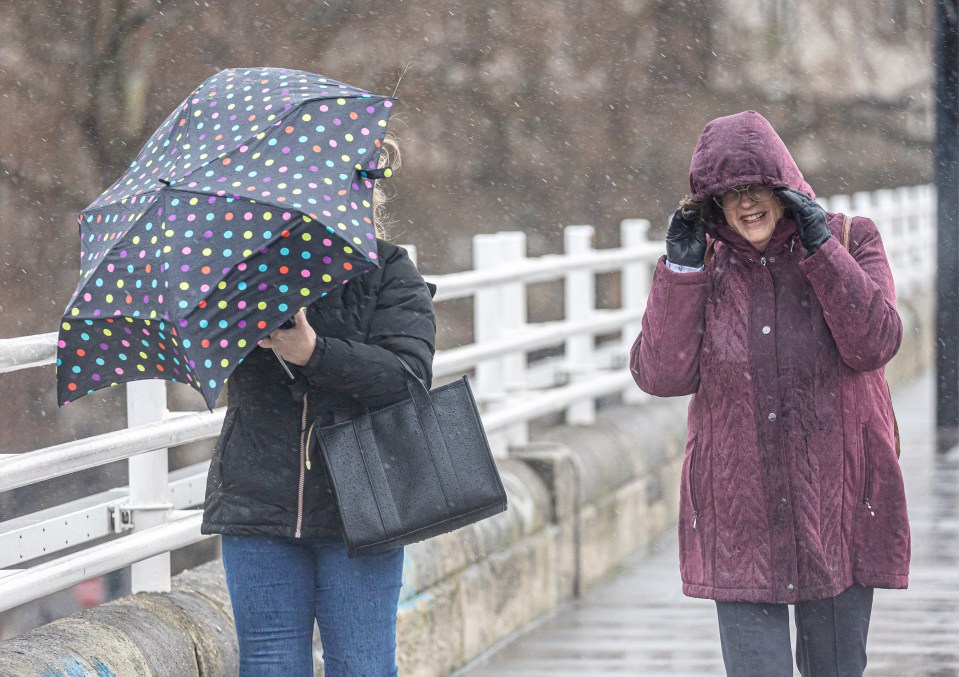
pixel 278 586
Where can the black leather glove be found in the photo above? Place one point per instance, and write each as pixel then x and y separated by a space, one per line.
pixel 811 218
pixel 686 239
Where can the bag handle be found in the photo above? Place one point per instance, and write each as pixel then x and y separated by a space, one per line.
pixel 846 230
pixel 375 473
pixel 434 436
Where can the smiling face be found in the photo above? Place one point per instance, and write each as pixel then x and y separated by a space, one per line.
pixel 755 220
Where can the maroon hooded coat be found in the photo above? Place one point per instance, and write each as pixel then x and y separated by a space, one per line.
pixel 791 489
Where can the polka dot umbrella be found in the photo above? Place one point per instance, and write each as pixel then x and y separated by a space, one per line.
pixel 252 199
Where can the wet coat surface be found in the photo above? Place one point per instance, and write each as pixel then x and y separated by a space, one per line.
pixel 791 486
pixel 253 486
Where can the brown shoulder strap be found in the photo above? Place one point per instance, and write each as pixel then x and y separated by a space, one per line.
pixel 895 424
pixel 710 245
pixel 846 229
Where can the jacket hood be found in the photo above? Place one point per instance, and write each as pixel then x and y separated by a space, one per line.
pixel 738 149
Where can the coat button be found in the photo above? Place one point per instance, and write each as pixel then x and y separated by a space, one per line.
pixel 766 330
pixel 772 259
pixel 772 416
pixel 790 587
pixel 783 502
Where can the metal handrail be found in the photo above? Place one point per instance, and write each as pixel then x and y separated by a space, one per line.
pixel 517 409
pixel 43 464
pixel 27 351
pixel 43 579
pixel 542 269
pixel 535 337
pixel 88 519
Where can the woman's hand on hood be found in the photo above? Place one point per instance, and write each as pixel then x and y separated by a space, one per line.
pixel 809 216
pixel 686 239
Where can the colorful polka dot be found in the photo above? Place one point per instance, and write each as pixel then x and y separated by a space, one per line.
pixel 211 303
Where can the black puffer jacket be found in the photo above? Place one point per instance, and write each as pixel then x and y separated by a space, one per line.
pixel 259 482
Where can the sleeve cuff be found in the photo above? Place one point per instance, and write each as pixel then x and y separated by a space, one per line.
pixel 811 264
pixel 318 352
pixel 684 269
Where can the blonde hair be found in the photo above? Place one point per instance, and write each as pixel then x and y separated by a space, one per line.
pixel 383 191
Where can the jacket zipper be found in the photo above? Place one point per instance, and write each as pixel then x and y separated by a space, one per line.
pixel 304 466
pixel 692 487
pixel 867 479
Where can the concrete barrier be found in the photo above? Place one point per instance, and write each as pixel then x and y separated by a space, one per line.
pixel 187 632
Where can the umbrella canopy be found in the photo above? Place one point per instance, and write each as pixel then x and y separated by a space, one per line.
pixel 253 199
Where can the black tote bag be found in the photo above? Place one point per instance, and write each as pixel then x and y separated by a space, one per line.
pixel 412 470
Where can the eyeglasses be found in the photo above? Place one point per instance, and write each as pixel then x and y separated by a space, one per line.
pixel 732 198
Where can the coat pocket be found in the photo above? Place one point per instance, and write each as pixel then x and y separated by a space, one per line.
pixel 866 494
pixel 880 522
pixel 691 486
pixel 691 529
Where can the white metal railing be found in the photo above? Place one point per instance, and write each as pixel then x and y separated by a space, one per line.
pixel 157 512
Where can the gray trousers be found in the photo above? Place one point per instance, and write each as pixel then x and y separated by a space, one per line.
pixel 830 636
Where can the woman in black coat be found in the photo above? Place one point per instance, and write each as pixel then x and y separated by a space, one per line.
pixel 268 494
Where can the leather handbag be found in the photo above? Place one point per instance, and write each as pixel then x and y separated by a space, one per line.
pixel 412 470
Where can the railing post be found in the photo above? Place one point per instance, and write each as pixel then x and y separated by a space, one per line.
pixel 636 280
pixel 488 385
pixel 864 204
pixel 915 238
pixel 840 204
pixel 514 317
pixel 883 210
pixel 580 302
pixel 413 253
pixel 928 226
pixel 909 203
pixel 149 484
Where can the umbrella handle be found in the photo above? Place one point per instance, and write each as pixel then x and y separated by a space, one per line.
pixel 283 364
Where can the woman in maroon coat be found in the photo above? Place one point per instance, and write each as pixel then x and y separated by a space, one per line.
pixel 791 488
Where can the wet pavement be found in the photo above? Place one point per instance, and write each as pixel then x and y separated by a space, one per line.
pixel 639 623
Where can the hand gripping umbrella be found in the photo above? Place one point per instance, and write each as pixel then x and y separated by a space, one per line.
pixel 252 199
